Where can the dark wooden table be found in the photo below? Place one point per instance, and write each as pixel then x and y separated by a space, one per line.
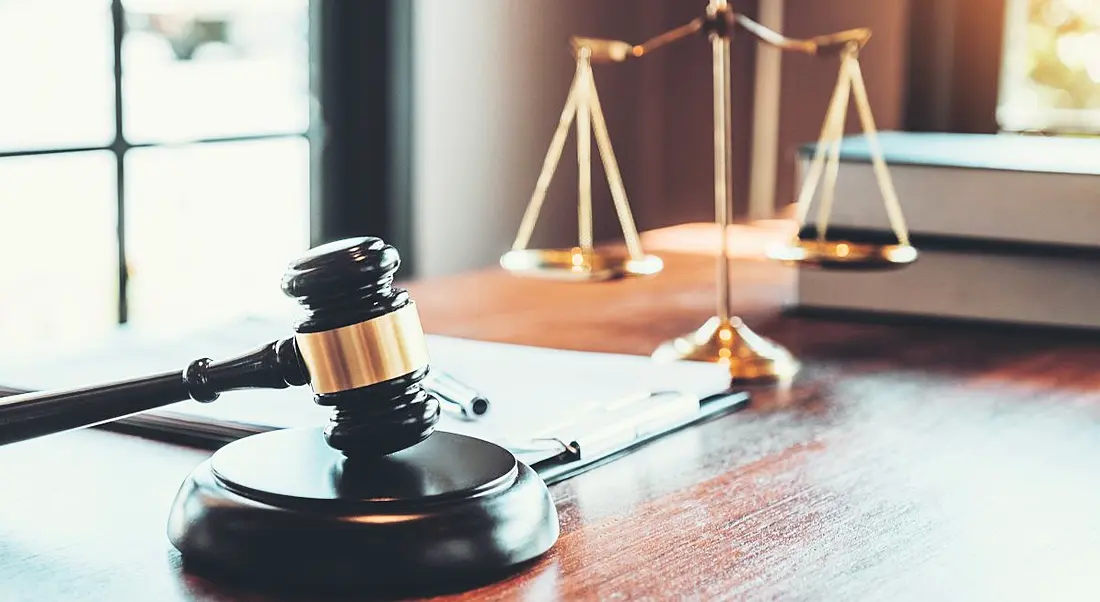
pixel 904 462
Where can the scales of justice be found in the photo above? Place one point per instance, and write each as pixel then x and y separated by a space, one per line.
pixel 723 338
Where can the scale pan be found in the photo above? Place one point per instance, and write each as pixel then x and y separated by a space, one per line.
pixel 843 255
pixel 577 265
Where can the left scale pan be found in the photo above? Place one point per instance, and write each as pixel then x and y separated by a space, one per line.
pixel 578 264
pixel 584 262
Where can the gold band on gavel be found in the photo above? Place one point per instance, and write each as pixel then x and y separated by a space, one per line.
pixel 366 353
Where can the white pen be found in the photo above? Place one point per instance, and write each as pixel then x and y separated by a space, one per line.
pixel 456 397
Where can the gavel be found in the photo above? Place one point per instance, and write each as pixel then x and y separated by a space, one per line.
pixel 359 346
pixel 376 496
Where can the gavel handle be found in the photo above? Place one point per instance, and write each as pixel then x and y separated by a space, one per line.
pixel 29 415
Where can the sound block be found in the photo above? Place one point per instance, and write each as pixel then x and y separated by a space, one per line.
pixel 284 507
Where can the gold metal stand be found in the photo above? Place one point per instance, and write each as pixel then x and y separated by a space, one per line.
pixel 725 339
pixel 846 255
pixel 583 262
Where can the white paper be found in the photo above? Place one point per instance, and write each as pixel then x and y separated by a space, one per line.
pixel 530 388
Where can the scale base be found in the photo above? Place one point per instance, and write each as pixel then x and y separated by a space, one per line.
pixel 751 358
pixel 283 509
pixel 579 265
pixel 844 255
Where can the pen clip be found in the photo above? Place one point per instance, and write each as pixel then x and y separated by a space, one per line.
pixel 455 397
pixel 617 423
pixel 537 445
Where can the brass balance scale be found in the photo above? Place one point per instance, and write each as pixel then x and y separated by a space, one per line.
pixel 723 338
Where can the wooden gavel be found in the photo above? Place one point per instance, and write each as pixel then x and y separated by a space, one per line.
pixel 359 346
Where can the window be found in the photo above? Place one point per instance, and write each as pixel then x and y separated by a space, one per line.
pixel 1051 68
pixel 154 162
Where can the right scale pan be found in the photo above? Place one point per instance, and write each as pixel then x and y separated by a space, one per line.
pixel 814 248
pixel 845 255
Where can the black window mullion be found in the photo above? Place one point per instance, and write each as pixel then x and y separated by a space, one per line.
pixel 36 152
pixel 362 147
pixel 119 147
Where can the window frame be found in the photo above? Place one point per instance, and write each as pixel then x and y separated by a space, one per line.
pixel 359 129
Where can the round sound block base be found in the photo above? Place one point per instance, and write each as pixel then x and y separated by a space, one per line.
pixel 286 509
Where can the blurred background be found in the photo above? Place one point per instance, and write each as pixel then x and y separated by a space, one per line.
pixel 162 160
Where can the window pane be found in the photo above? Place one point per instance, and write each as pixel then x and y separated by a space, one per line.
pixel 57 235
pixel 56 68
pixel 210 229
pixel 1051 75
pixel 214 69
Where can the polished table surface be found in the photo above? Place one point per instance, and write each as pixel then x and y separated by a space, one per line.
pixel 903 462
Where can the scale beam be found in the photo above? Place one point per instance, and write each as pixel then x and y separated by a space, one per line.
pixel 721 19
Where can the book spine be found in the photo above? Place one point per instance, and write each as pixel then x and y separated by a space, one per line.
pixel 1047 291
pixel 984 205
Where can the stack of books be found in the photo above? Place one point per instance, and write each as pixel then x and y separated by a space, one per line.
pixel 1007 227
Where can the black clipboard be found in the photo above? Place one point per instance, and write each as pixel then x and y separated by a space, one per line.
pixel 573 461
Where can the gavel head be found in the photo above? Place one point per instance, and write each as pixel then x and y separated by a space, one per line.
pixel 362 345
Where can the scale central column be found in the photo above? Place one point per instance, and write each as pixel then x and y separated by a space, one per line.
pixel 724 338
pixel 723 166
